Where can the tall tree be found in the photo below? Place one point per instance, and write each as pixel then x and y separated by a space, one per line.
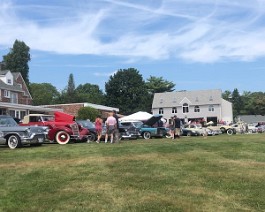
pixel 90 93
pixel 237 102
pixel 43 93
pixel 17 59
pixel 159 85
pixel 126 90
pixel 70 90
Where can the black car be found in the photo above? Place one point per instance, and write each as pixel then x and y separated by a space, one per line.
pixel 92 136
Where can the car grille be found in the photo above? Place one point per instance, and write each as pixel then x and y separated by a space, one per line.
pixel 75 129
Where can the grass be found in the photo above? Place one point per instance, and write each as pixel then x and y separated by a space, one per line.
pixel 219 173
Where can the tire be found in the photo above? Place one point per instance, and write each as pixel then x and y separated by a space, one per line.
pixel 188 134
pixel 147 135
pixel 14 142
pixel 250 131
pixel 229 132
pixel 91 137
pixel 223 130
pixel 62 137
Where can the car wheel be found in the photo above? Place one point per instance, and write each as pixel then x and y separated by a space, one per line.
pixel 222 130
pixel 91 137
pixel 250 131
pixel 62 137
pixel 147 135
pixel 14 142
pixel 188 134
pixel 229 132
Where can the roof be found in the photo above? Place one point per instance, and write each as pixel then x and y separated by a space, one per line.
pixel 251 118
pixel 178 98
pixel 15 87
pixel 28 107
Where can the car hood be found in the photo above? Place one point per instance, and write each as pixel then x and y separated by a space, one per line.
pixel 153 120
pixel 63 117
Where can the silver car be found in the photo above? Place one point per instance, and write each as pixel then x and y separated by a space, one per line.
pixel 16 136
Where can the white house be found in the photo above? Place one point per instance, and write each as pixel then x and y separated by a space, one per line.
pixel 193 105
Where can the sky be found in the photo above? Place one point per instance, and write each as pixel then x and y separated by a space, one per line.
pixel 196 44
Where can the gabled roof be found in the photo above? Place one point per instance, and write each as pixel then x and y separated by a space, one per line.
pixel 177 98
pixel 15 87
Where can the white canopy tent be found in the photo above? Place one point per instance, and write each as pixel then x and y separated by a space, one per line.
pixel 138 116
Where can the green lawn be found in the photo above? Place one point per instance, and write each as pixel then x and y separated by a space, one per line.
pixel 219 173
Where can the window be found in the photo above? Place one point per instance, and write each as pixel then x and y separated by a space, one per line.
pixel 196 109
pixel 14 98
pixel 161 111
pixel 9 81
pixel 6 93
pixel 161 101
pixel 211 98
pixel 185 108
pixel 211 108
pixel 174 110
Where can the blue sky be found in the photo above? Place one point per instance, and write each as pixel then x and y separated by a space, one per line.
pixel 197 44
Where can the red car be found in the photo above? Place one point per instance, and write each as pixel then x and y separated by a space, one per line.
pixel 62 127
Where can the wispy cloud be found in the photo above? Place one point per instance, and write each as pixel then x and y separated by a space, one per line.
pixel 192 30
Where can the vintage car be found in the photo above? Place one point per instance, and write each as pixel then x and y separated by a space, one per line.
pixel 16 136
pixel 198 130
pixel 148 129
pixel 125 132
pixel 62 127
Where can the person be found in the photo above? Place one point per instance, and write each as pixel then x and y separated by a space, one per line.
pixel 172 127
pixel 111 125
pixel 117 130
pixel 177 122
pixel 98 126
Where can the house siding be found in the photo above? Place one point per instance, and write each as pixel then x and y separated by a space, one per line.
pixel 203 99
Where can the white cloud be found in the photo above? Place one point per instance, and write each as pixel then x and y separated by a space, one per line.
pixel 200 31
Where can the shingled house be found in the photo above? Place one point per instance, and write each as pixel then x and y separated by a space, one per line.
pixel 15 98
pixel 205 105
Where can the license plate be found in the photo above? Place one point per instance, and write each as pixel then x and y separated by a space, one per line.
pixel 40 140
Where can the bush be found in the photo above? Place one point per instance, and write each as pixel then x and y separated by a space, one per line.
pixel 87 113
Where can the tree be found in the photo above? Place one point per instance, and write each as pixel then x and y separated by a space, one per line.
pixel 158 85
pixel 126 90
pixel 87 113
pixel 50 96
pixel 68 95
pixel 237 102
pixel 90 93
pixel 227 95
pixel 17 59
pixel 255 104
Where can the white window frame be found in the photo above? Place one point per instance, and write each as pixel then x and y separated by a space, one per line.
pixel 161 111
pixel 211 108
pixel 174 110
pixel 185 108
pixel 197 109
pixel 6 93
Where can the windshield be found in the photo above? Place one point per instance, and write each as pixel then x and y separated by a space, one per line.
pixel 86 124
pixel 7 122
pixel 138 124
pixel 48 118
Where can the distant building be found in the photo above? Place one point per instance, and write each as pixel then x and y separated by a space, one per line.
pixel 251 119
pixel 197 105
pixel 72 108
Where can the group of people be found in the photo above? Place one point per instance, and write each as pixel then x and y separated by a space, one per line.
pixel 174 126
pixel 112 127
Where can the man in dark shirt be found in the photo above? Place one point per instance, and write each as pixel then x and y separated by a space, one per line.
pixel 177 126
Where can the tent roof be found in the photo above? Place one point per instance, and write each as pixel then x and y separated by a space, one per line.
pixel 138 116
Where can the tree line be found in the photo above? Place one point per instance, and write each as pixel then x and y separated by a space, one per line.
pixel 126 89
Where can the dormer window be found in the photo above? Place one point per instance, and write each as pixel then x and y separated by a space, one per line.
pixel 9 81
pixel 211 98
pixel 161 101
